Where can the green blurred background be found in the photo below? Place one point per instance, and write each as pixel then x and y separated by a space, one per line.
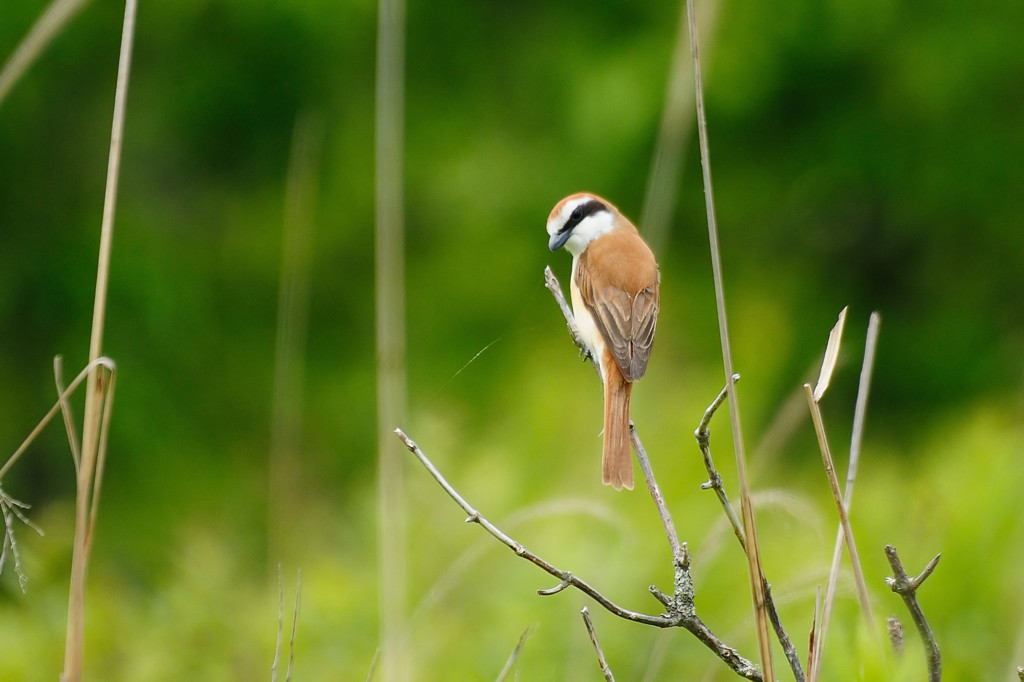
pixel 865 154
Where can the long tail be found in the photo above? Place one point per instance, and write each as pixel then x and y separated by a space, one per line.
pixel 617 460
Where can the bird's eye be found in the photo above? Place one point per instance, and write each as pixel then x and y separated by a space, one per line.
pixel 577 214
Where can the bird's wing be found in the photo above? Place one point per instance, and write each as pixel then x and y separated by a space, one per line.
pixel 626 320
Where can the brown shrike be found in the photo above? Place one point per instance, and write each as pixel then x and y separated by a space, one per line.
pixel 614 289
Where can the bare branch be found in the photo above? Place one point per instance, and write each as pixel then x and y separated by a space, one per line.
pixel 681 610
pixel 552 284
pixel 905 586
pixel 714 482
pixel 680 556
pixel 605 670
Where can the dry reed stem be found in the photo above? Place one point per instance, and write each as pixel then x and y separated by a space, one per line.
pixel 753 553
pixel 703 436
pixel 856 438
pixel 104 362
pixel 94 422
pixel 844 520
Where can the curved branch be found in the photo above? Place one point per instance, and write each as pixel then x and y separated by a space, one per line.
pixel 681 612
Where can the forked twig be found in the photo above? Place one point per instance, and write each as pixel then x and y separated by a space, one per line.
pixel 714 482
pixel 905 586
pixel 601 661
pixel 681 610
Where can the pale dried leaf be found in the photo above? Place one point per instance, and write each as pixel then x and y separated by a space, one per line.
pixel 828 364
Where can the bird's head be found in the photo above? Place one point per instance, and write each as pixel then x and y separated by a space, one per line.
pixel 578 219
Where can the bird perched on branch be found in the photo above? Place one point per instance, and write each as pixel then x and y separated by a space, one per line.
pixel 614 288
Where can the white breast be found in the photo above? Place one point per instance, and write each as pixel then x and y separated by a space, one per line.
pixel 589 333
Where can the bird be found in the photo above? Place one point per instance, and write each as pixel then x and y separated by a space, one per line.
pixel 615 291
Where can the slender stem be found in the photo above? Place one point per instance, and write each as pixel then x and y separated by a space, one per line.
pixel 752 552
pixel 92 431
pixel 859 414
pixel 844 520
pixel 679 553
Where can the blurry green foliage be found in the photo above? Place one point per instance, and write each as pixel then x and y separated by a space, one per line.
pixel 864 154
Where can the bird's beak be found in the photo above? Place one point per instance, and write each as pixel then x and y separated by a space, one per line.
pixel 559 239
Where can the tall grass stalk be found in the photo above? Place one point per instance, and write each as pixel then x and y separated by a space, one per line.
pixel 746 509
pixel 93 432
pixel 390 310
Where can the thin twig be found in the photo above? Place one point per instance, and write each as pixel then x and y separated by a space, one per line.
pixel 905 586
pixel 714 482
pixel 752 552
pixel 552 284
pixel 679 554
pixel 703 435
pixel 605 670
pixel 514 656
pixel 681 614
